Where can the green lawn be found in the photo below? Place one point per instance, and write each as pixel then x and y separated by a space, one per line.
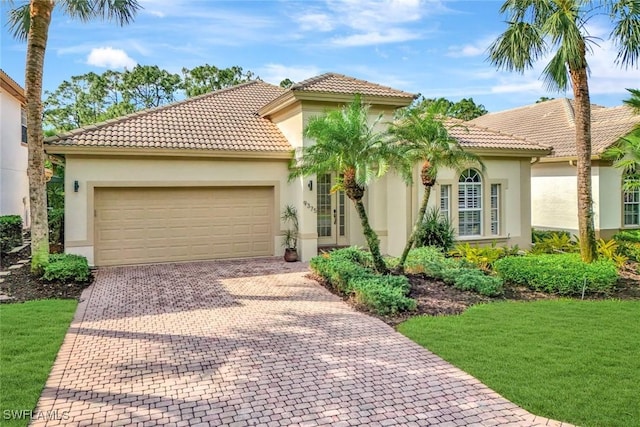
pixel 30 337
pixel 573 361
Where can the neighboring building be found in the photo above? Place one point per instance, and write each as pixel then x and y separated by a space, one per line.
pixel 554 181
pixel 14 183
pixel 207 178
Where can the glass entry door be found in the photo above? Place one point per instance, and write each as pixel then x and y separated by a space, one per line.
pixel 332 213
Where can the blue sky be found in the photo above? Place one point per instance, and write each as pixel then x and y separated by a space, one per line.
pixel 436 48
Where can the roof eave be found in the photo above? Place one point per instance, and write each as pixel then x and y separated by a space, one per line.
pixel 508 152
pixel 166 152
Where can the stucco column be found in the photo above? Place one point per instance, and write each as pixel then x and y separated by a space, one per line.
pixel 399 214
pixel 307 220
pixel 377 210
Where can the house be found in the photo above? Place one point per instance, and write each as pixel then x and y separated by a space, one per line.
pixel 207 178
pixel 554 182
pixel 14 182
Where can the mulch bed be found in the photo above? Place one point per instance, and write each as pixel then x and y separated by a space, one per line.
pixel 22 286
pixel 435 298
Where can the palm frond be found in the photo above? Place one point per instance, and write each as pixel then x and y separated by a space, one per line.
pixel 19 21
pixel 518 47
pixel 625 15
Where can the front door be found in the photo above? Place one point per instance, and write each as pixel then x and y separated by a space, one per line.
pixel 332 213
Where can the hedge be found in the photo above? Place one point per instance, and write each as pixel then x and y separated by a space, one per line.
pixel 10 232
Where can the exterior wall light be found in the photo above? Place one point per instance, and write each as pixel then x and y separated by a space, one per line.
pixel 310 185
pixel 76 186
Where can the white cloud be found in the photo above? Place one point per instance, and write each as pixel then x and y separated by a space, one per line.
pixel 393 35
pixel 108 57
pixel 275 73
pixel 315 22
pixel 477 48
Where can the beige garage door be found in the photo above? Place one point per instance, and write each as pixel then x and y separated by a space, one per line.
pixel 147 225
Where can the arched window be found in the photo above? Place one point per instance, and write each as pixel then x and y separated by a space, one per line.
pixel 470 203
pixel 631 198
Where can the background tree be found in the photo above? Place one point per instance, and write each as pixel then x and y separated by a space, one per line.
pixel 465 109
pixel 207 78
pixel 31 22
pixel 148 86
pixel 348 145
pixel 543 99
pixel 287 83
pixel 422 134
pixel 540 27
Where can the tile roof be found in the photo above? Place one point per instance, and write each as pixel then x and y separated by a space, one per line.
pixel 472 136
pixel 224 120
pixel 338 83
pixel 552 123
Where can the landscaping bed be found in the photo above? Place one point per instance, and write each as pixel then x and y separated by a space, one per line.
pixel 21 286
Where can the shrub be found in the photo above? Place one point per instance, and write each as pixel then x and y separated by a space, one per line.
pixel 563 274
pixel 475 280
pixel 10 232
pixel 421 259
pixel 629 249
pixel 348 272
pixel 628 236
pixel 383 295
pixel 540 235
pixel 609 249
pixel 435 230
pixel 66 268
pixel 56 225
pixel 483 257
pixel 555 243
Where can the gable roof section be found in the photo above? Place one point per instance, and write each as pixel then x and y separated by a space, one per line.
pixel 552 123
pixel 339 88
pixel 12 87
pixel 225 120
pixel 478 138
pixel 339 83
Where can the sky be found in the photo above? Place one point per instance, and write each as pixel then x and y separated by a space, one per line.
pixel 435 48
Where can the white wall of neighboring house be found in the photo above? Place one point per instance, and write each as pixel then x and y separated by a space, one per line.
pixel 14 183
pixel 554 199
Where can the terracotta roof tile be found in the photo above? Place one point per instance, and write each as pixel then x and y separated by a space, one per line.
pixel 223 120
pixel 472 136
pixel 338 83
pixel 552 123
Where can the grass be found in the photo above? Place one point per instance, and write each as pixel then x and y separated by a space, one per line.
pixel 573 361
pixel 31 333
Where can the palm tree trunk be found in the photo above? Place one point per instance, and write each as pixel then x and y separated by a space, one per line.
pixel 586 230
pixel 416 227
pixel 40 12
pixel 372 238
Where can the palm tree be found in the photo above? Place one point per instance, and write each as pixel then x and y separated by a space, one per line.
pixel 423 136
pixel 348 145
pixel 558 27
pixel 625 153
pixel 30 22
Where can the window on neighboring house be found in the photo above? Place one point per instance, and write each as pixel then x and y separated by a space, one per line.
pixel 470 203
pixel 445 201
pixel 631 201
pixel 23 120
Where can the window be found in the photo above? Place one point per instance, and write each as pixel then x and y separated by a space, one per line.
pixel 445 201
pixel 495 209
pixel 23 120
pixel 470 203
pixel 324 205
pixel 631 201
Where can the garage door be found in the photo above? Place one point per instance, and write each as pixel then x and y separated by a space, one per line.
pixel 147 225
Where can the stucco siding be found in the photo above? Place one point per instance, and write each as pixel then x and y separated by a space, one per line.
pixel 14 182
pixel 554 197
pixel 96 172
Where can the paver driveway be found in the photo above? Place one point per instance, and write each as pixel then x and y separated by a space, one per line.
pixel 249 343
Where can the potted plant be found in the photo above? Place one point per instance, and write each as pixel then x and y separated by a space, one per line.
pixel 290 241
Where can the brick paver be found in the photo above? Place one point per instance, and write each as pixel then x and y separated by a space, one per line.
pixel 250 342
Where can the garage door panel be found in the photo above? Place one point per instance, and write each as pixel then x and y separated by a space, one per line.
pixel 143 225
